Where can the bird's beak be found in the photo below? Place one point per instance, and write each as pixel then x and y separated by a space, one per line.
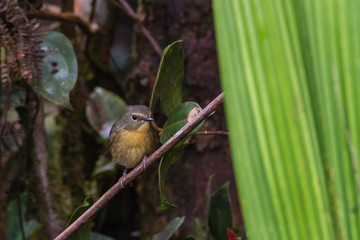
pixel 148 119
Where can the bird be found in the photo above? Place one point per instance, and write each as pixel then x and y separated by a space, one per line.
pixel 133 137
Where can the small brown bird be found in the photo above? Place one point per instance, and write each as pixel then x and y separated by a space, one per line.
pixel 133 137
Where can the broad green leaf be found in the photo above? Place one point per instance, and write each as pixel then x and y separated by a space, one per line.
pixel 13 221
pixel 103 108
pixel 169 79
pixel 170 229
pixel 60 69
pixel 180 116
pixel 84 231
pixel 219 217
pixel 291 76
pixel 166 161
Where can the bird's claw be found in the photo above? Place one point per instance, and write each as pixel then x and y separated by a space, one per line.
pixel 122 177
pixel 121 181
pixel 144 162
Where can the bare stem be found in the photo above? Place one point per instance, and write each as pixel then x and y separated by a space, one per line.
pixel 224 133
pixel 129 11
pixel 41 157
pixel 139 169
pixel 67 17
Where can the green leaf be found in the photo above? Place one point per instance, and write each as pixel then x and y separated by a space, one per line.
pixel 13 225
pixel 169 79
pixel 290 70
pixel 60 69
pixel 170 229
pixel 178 118
pixel 103 108
pixel 166 161
pixel 199 229
pixel 219 217
pixel 108 168
pixel 84 231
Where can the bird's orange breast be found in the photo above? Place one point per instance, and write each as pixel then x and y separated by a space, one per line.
pixel 128 148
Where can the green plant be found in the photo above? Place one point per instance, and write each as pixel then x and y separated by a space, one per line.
pixel 289 70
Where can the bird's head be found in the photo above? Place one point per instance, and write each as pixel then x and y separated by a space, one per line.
pixel 136 118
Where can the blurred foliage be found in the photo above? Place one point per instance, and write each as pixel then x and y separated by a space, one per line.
pixel 60 70
pixel 169 230
pixel 17 98
pixel 103 169
pixel 166 161
pixel 103 108
pixel 17 225
pixel 219 216
pixel 84 231
pixel 200 230
pixel 169 79
pixel 178 118
pixel 290 70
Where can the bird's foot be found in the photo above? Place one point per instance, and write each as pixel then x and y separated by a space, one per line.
pixel 144 162
pixel 122 177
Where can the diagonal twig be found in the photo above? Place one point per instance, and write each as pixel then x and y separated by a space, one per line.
pixel 139 169
pixel 68 17
pixel 41 158
pixel 129 11
pixel 218 132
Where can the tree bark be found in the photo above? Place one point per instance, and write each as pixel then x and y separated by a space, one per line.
pixel 52 221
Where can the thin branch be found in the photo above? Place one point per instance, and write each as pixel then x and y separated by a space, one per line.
pixel 22 230
pixel 67 17
pixel 92 13
pixel 139 169
pixel 129 11
pixel 41 157
pixel 224 133
pixel 152 40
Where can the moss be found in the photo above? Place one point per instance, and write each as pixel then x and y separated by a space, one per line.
pixel 69 156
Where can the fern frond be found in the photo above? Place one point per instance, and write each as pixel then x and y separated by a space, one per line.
pixel 20 39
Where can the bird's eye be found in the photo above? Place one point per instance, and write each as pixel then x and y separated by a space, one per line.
pixel 134 117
